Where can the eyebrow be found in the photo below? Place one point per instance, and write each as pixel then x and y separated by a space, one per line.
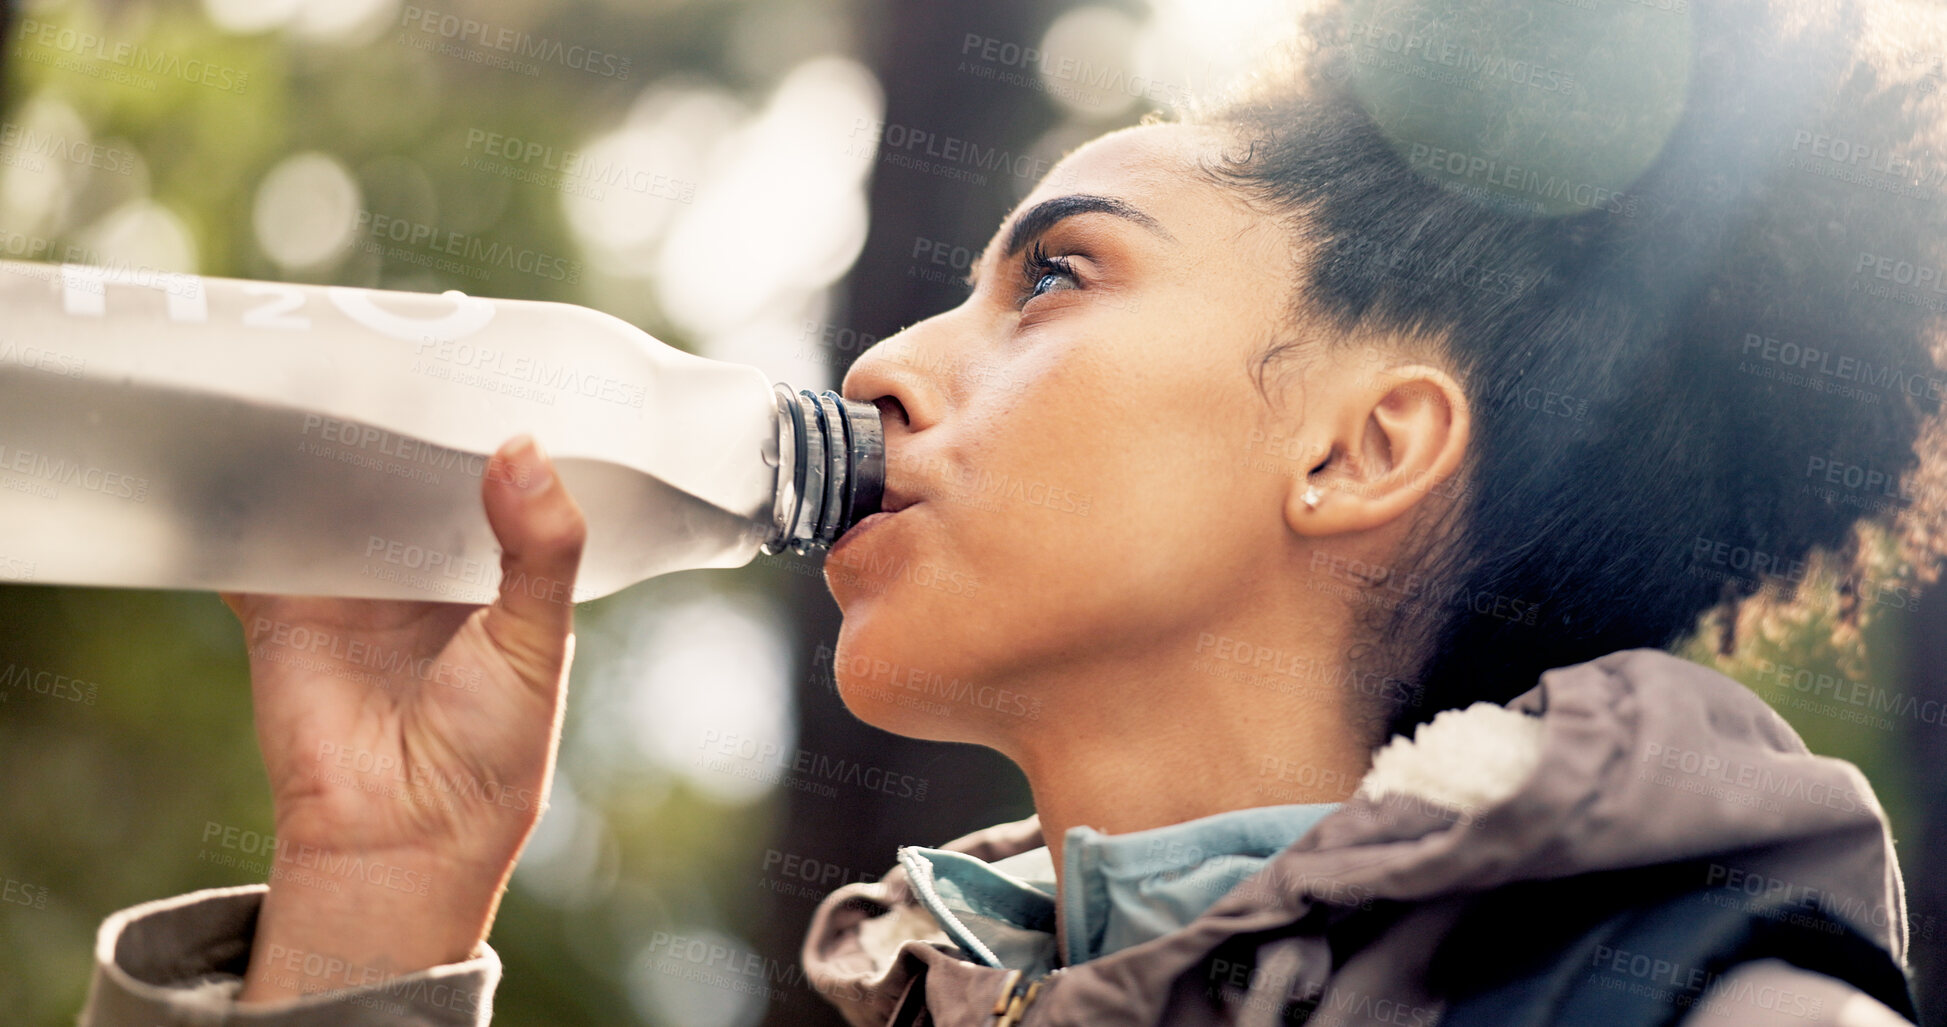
pixel 1045 215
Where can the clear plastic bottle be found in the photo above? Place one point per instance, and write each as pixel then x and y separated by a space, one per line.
pixel 172 431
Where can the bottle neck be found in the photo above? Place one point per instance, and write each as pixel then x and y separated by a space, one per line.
pixel 831 468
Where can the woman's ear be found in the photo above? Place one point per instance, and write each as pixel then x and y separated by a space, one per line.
pixel 1388 435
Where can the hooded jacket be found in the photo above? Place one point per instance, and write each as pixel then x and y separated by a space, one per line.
pixel 1635 759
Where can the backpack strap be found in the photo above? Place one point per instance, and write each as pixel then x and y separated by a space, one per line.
pixel 1637 948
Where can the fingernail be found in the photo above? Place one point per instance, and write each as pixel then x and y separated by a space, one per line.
pixel 532 473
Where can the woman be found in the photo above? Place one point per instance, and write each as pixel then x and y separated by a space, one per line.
pixel 1371 427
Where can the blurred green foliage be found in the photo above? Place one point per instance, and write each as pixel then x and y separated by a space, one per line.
pixel 108 795
pixel 108 799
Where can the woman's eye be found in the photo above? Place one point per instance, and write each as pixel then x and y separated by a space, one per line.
pixel 1053 280
pixel 1044 274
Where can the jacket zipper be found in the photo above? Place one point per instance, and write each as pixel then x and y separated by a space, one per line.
pixel 1017 995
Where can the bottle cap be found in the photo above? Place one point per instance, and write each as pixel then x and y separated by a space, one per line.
pixel 831 468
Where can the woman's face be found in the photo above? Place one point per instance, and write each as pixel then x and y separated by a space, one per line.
pixel 1084 473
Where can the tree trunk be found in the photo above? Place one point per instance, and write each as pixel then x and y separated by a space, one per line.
pixel 1924 855
pixel 919 210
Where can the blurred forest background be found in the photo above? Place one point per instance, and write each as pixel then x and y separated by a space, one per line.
pixel 779 207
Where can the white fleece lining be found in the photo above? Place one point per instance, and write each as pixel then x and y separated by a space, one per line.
pixel 1465 760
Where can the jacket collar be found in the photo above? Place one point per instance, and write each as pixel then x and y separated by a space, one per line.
pixel 1639 758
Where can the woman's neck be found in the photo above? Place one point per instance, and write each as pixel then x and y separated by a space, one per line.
pixel 1156 743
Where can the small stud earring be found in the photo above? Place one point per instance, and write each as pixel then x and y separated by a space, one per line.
pixel 1312 497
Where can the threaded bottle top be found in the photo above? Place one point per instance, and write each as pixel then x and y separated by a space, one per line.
pixel 831 468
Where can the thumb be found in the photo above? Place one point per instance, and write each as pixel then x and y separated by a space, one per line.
pixel 541 534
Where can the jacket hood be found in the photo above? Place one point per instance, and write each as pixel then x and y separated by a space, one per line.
pixel 1635 759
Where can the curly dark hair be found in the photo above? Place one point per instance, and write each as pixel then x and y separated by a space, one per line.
pixel 1687 257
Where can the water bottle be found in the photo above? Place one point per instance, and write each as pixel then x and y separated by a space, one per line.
pixel 162 430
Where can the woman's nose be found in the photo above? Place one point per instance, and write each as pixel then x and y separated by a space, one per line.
pixel 889 375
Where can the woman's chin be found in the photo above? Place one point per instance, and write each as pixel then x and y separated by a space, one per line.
pixel 890 708
pixel 894 689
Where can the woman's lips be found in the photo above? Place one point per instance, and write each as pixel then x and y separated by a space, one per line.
pixel 864 526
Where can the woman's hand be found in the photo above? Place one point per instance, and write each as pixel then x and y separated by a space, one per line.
pixel 409 747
